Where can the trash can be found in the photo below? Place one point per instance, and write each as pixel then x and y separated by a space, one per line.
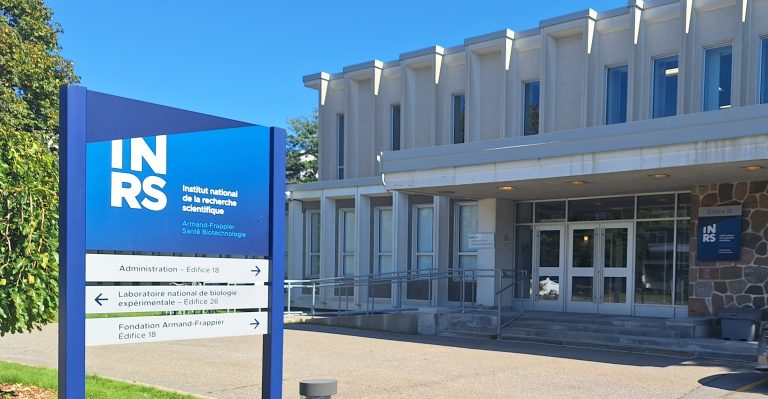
pixel 740 324
pixel 762 351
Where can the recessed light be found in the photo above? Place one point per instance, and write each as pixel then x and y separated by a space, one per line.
pixel 577 182
pixel 505 188
pixel 659 176
pixel 671 71
pixel 753 168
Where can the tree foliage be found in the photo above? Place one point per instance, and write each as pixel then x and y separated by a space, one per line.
pixel 301 154
pixel 31 71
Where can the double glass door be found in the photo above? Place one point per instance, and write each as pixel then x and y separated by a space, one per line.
pixel 584 267
pixel 599 265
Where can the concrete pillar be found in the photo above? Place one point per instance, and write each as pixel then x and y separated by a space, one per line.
pixel 486 257
pixel 295 264
pixel 328 222
pixel 363 249
pixel 505 244
pixel 400 212
pixel 442 249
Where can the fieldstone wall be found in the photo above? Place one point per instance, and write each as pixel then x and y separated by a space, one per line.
pixel 725 285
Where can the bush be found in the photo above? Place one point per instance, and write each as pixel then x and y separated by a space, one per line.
pixel 28 232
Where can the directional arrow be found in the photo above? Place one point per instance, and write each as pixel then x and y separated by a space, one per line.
pixel 255 324
pixel 99 299
pixel 256 270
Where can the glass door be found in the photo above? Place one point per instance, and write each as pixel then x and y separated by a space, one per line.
pixel 549 258
pixel 599 267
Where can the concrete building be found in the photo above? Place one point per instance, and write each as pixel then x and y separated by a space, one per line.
pixel 568 162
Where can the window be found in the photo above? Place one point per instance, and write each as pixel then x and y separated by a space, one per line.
pixel 423 237
pixel 458 118
pixel 467 225
pixel 395 127
pixel 312 242
pixel 764 71
pixel 616 95
pixel 665 71
pixel 347 239
pixel 717 78
pixel 340 145
pixel 383 240
pixel 531 111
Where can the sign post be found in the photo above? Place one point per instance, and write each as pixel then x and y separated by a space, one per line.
pixel 188 206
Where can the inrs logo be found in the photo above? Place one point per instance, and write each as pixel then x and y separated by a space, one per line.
pixel 128 187
pixel 708 233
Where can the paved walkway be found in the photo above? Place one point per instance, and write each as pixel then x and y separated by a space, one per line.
pixel 380 365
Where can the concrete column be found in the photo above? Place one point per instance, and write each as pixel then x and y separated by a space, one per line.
pixel 328 222
pixel 688 88
pixel 295 264
pixel 363 249
pixel 637 67
pixel 486 257
pixel 442 249
pixel 505 244
pixel 400 225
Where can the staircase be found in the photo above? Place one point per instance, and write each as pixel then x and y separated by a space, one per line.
pixel 674 337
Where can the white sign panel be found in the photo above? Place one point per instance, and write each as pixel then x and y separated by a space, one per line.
pixel 123 299
pixel 120 268
pixel 481 241
pixel 130 330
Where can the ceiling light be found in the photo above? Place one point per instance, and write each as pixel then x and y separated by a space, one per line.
pixel 671 71
pixel 659 176
pixel 577 182
pixel 753 168
pixel 505 188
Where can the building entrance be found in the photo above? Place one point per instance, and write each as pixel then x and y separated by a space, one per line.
pixel 599 267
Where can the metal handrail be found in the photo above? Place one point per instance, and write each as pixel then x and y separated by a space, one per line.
pixel 347 285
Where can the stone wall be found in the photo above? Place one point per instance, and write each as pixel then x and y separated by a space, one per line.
pixel 725 285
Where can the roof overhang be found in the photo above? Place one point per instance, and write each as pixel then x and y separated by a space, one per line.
pixel 700 148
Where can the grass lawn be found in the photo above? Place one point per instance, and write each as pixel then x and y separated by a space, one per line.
pixel 96 387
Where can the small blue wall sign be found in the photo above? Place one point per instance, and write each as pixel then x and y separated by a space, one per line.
pixel 719 233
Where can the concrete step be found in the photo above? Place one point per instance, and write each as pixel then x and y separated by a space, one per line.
pixel 469 333
pixel 596 320
pixel 699 347
pixel 655 331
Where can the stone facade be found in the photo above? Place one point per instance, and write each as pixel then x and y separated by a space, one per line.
pixel 723 285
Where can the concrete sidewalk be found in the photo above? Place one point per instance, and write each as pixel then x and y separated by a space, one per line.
pixel 382 365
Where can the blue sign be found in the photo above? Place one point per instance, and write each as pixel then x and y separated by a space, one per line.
pixel 197 193
pixel 719 233
pixel 162 179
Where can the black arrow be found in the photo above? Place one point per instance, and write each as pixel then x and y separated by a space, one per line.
pixel 256 270
pixel 255 324
pixel 99 299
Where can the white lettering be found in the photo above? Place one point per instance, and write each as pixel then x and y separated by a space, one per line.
pixel 140 151
pixel 117 154
pixel 120 191
pixel 149 188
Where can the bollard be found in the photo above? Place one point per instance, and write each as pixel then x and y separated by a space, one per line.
pixel 762 352
pixel 317 389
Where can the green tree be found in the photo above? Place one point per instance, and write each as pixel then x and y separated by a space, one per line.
pixel 31 71
pixel 301 151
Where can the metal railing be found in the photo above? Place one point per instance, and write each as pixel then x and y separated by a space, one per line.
pixel 504 280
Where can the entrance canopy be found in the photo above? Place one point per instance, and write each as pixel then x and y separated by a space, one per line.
pixel 656 155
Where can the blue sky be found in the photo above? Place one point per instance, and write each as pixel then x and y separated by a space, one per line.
pixel 244 59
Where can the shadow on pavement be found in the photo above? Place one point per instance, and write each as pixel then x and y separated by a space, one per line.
pixel 747 382
pixel 535 349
